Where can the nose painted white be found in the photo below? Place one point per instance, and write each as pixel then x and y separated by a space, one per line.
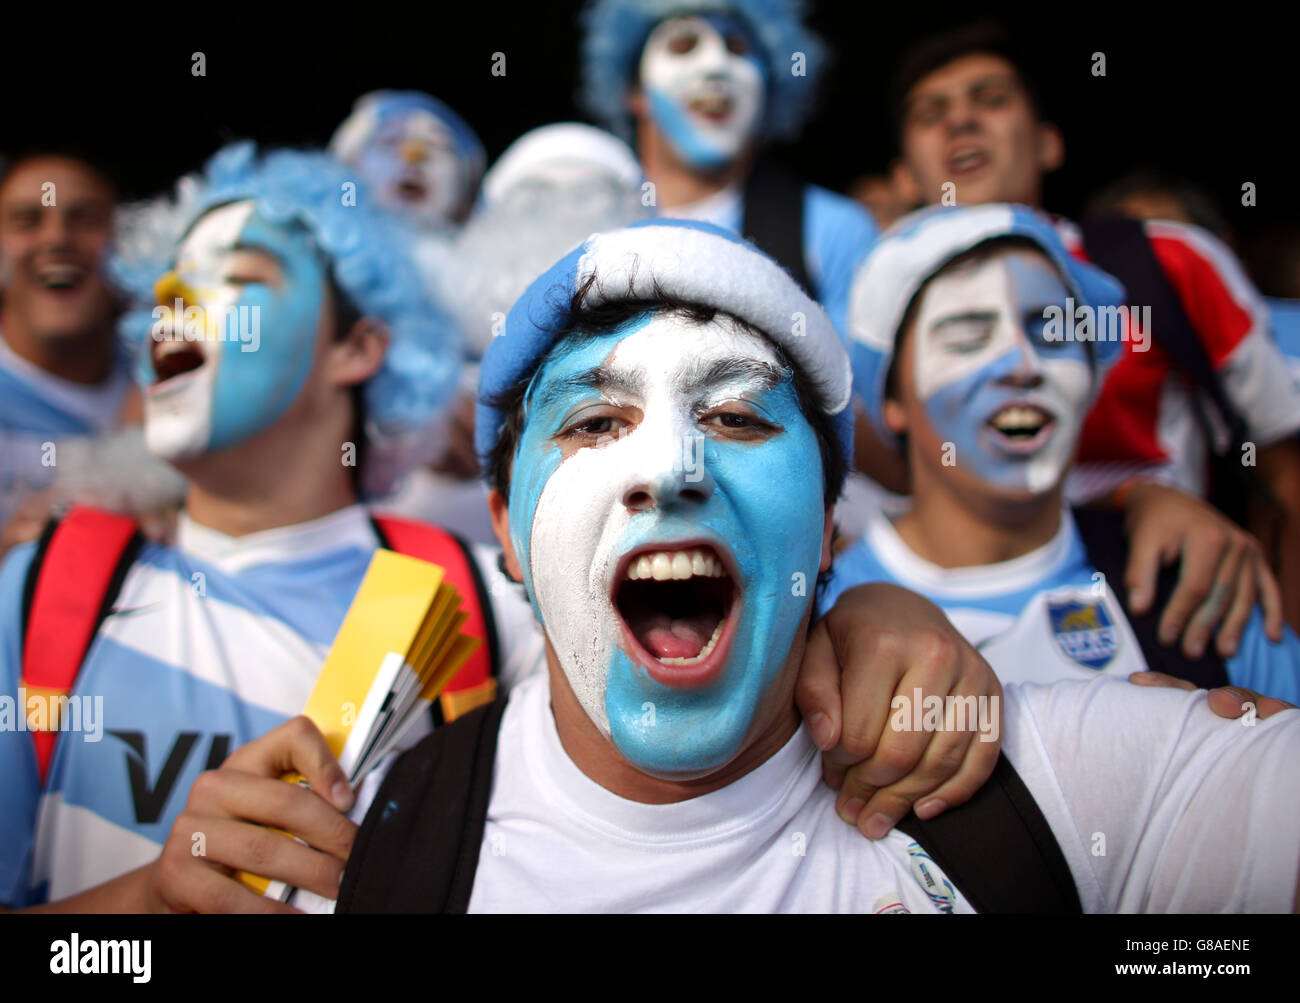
pixel 582 515
pixel 971 317
pixel 709 69
pixel 178 413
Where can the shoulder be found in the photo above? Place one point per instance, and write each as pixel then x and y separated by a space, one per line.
pixel 831 212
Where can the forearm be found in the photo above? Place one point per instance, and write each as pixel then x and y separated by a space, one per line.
pixel 127 893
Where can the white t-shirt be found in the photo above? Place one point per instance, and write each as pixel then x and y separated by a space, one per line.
pixel 1158 805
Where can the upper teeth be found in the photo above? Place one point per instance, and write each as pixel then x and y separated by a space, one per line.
pixel 1018 417
pixel 662 565
pixel 60 274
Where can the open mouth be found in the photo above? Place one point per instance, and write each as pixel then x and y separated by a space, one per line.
pixel 1021 428
pixel 966 160
pixel 411 190
pixel 172 359
pixel 61 277
pixel 712 107
pixel 679 606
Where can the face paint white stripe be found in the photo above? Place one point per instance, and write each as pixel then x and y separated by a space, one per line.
pixel 178 414
pixel 976 354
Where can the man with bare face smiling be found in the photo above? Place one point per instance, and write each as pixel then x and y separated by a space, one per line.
pixel 665 453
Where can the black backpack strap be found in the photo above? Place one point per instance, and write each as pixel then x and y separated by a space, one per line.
pixel 418 847
pixel 998 849
pixel 1121 246
pixel 1106 545
pixel 773 220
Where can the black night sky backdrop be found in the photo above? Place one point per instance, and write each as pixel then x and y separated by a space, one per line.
pixel 1209 97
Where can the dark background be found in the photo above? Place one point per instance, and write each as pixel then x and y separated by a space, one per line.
pixel 1209 97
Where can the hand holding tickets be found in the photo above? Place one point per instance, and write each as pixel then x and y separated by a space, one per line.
pixel 399 645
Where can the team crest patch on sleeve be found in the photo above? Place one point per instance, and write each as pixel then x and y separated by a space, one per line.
pixel 1084 631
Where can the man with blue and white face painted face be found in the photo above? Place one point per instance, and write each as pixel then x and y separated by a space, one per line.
pixel 957 360
pixel 215 381
pixel 1011 402
pixel 637 502
pixel 420 158
pixel 659 559
pixel 700 87
pixel 705 86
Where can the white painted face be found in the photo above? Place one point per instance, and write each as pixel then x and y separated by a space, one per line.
pixel 705 86
pixel 1012 402
pixel 178 414
pixel 415 167
pixel 683 444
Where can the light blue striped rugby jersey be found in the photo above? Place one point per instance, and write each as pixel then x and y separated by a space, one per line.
pixel 1047 615
pixel 37 408
pixel 210 644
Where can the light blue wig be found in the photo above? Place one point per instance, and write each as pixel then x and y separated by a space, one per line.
pixel 615 32
pixel 371 259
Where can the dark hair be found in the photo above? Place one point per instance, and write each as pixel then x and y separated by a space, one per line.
pixel 1198 206
pixel 9 163
pixel 586 319
pixel 936 51
pixel 346 315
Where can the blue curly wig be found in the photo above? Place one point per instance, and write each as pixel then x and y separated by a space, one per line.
pixel 371 255
pixel 615 32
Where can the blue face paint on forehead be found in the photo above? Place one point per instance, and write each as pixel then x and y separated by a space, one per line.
pixel 575 525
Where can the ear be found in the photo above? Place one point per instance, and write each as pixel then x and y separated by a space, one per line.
pixel 636 103
pixel 905 184
pixel 828 531
pixel 358 356
pixel 500 513
pixel 1051 147
pixel 895 416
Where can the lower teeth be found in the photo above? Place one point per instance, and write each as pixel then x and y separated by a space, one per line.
pixel 704 652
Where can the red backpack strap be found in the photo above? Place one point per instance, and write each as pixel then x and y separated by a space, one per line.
pixel 475 684
pixel 71 584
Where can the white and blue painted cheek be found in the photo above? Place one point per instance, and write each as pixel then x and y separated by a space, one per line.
pixel 537 457
pixel 670 81
pixel 767 504
pixel 569 526
pixel 961 390
pixel 260 377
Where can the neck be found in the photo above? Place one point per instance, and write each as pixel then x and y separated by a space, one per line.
pixel 279 477
pixel 952 528
pixel 86 357
pixel 597 757
pixel 676 182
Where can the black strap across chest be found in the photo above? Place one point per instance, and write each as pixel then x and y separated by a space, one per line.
pixel 418 848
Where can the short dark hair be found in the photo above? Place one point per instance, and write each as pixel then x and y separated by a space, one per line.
pixel 586 319
pixel 936 51
pixel 1199 206
pixel 9 163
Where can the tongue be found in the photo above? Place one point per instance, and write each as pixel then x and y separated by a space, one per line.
pixel 682 637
